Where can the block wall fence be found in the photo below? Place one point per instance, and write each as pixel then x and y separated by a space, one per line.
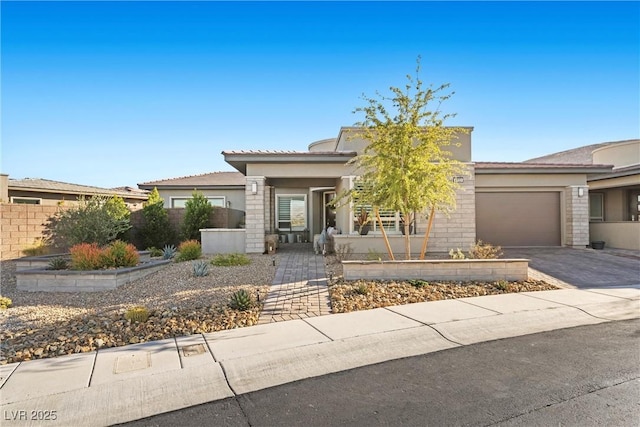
pixel 22 226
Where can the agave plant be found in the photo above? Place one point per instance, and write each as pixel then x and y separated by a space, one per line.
pixel 58 263
pixel 169 252
pixel 241 300
pixel 200 268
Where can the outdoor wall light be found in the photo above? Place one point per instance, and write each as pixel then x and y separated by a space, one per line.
pixel 228 204
pixel 580 192
pixel 254 187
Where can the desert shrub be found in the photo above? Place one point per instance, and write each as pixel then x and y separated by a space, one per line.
pixel 119 254
pixel 5 303
pixel 156 230
pixel 154 252
pixel 97 220
pixel 38 248
pixel 189 250
pixel 502 285
pixel 137 314
pixel 361 289
pixel 225 260
pixel 241 300
pixel 457 254
pixel 58 263
pixel 481 250
pixel 196 216
pixel 86 256
pixel 418 283
pixel 373 255
pixel 343 251
pixel 200 268
pixel 169 251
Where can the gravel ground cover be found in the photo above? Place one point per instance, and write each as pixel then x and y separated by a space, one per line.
pixel 46 324
pixel 49 324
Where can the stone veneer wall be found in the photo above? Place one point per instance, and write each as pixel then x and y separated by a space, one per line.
pixel 255 215
pixel 576 216
pixel 453 270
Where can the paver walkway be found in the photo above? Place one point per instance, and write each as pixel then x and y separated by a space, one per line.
pixel 299 289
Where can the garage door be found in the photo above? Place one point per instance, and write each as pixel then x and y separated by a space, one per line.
pixel 518 218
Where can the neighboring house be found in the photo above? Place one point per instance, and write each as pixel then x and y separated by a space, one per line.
pixel 37 191
pixel 614 197
pixel 510 204
pixel 222 189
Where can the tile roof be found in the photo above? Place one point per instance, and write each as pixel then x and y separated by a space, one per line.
pixel 539 167
pixel 206 179
pixel 579 155
pixel 50 186
pixel 285 152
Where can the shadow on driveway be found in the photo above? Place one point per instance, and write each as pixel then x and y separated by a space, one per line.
pixel 583 268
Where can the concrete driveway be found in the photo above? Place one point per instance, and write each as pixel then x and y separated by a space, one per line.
pixel 583 268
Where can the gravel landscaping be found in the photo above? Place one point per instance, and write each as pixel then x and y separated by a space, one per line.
pixel 48 324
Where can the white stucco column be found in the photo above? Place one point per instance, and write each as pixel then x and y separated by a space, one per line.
pixel 576 216
pixel 255 214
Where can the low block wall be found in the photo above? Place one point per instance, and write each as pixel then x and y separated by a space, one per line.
pixel 223 240
pixel 42 280
pixel 42 261
pixel 450 270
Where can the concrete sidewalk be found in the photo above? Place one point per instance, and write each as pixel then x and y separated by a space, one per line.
pixel 128 383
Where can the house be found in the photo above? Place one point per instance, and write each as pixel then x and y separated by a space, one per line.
pixel 222 189
pixel 540 202
pixel 38 191
pixel 510 204
pixel 614 197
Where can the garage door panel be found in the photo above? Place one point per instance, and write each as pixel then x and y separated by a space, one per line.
pixel 518 218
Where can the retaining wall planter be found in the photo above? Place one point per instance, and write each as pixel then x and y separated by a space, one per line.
pixel 450 270
pixel 42 261
pixel 43 280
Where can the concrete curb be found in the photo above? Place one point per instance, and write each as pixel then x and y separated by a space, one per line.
pixel 128 383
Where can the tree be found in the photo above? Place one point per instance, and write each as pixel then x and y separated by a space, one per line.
pixel 198 210
pixel 96 220
pixel 406 165
pixel 157 230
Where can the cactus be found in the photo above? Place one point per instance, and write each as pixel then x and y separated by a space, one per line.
pixel 58 263
pixel 137 314
pixel 200 268
pixel 241 300
pixel 169 252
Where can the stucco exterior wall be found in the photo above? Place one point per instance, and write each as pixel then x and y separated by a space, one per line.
pixel 618 155
pixel 620 235
pixel 236 197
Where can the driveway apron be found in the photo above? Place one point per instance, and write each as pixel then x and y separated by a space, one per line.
pixel 584 268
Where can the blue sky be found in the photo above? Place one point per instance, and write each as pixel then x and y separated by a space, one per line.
pixel 119 93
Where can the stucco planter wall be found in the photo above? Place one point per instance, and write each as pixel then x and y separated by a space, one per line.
pixel 43 280
pixel 451 270
pixel 223 240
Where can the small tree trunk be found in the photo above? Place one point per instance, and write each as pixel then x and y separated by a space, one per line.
pixel 384 234
pixel 407 235
pixel 425 241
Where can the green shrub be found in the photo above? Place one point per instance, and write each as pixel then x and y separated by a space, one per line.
pixel 241 300
pixel 196 216
pixel 361 289
pixel 137 314
pixel 373 255
pixel 418 283
pixel 457 254
pixel 99 220
pixel 154 252
pixel 189 250
pixel 119 254
pixel 481 250
pixel 58 263
pixel 200 268
pixel 86 256
pixel 5 303
pixel 156 230
pixel 502 285
pixel 225 260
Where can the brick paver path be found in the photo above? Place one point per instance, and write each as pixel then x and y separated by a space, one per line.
pixel 299 289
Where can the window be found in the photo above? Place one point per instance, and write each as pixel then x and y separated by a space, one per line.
pixel 390 219
pixel 181 202
pixel 596 207
pixel 291 212
pixel 26 200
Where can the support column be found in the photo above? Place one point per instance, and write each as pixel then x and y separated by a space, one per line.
pixel 576 216
pixel 255 214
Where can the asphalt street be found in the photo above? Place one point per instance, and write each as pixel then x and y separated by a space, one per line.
pixel 583 376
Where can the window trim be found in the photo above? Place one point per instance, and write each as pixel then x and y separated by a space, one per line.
pixel 373 222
